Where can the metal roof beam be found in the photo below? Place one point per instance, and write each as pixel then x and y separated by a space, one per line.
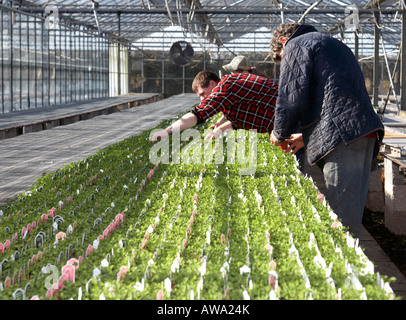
pixel 205 22
pixel 247 11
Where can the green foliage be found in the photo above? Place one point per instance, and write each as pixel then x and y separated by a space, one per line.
pixel 201 230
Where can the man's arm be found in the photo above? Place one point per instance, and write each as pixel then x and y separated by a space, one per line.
pixel 275 139
pixel 293 92
pixel 219 122
pixel 185 122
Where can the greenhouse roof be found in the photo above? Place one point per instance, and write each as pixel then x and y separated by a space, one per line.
pixel 232 25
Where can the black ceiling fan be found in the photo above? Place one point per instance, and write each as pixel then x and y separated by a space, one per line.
pixel 181 53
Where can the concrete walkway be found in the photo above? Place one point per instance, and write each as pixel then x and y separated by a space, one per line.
pixel 25 157
pixel 15 123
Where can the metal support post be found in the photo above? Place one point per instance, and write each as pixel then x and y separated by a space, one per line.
pixel 376 62
pixel 403 64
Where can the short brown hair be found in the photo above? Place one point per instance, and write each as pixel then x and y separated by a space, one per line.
pixel 203 79
pixel 283 30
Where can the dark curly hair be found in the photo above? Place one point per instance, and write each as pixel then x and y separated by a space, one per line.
pixel 283 30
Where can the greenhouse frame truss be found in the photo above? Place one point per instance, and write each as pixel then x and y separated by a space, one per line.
pixel 57 52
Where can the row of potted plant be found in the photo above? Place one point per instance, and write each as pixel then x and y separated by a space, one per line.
pixel 118 226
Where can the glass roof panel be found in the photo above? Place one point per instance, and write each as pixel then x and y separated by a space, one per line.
pixel 226 24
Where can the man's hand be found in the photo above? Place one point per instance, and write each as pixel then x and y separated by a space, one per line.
pixel 185 122
pixel 274 140
pixel 295 143
pixel 214 134
pixel 159 135
pixel 214 125
pixel 218 131
pixel 218 123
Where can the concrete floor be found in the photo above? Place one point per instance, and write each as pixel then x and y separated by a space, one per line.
pixel 25 157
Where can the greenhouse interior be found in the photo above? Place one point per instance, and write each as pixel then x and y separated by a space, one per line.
pixel 93 208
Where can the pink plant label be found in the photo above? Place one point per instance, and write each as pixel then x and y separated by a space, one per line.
pixel 89 249
pixel 61 236
pixel 119 218
pixel 74 262
pixel 105 233
pixel 1 248
pixel 60 283
pixel 65 277
pixel 7 282
pixel 223 238
pixel 49 293
pixel 120 275
pixel 144 244
pixel 52 212
pixel 20 275
pixel 69 270
pixel 268 248
pixel 272 282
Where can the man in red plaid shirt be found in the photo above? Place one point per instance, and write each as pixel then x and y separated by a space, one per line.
pixel 247 101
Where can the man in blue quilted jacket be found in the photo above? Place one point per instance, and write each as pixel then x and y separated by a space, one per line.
pixel 322 88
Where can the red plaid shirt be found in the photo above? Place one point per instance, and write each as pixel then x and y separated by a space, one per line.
pixel 246 100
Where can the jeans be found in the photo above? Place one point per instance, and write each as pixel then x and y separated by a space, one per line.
pixel 347 171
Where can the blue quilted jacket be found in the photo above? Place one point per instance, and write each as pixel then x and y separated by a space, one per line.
pixel 322 87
